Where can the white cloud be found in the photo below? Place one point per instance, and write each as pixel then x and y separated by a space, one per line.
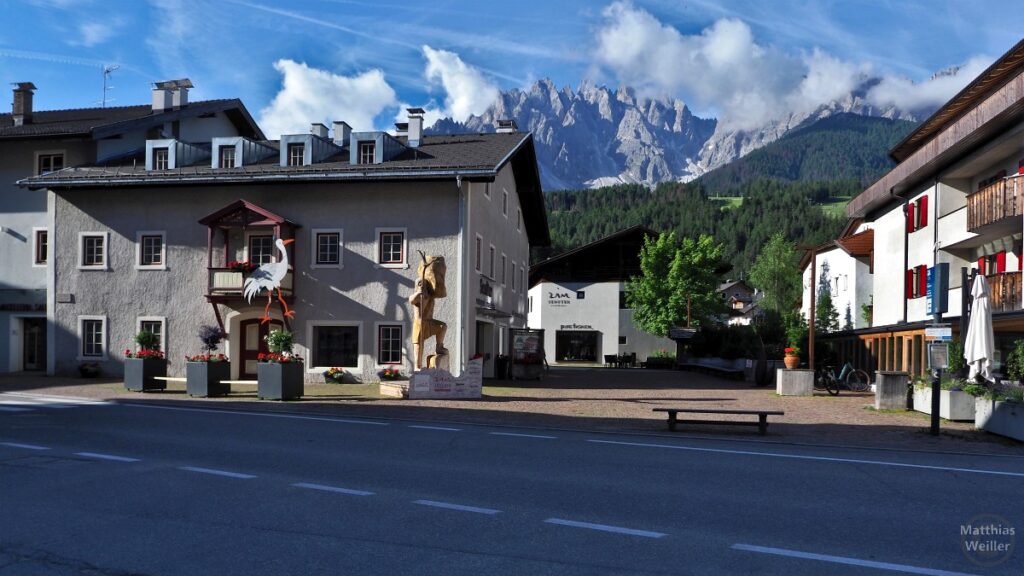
pixel 312 95
pixel 724 71
pixel 467 91
pixel 92 33
pixel 903 92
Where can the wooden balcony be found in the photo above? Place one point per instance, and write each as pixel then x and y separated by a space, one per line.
pixel 226 284
pixel 1005 291
pixel 996 203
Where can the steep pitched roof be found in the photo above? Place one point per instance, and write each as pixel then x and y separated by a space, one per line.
pixel 104 122
pixel 594 261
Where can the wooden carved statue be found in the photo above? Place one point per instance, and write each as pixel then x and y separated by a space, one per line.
pixel 429 287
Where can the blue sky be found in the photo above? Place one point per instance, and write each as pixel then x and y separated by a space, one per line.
pixel 364 59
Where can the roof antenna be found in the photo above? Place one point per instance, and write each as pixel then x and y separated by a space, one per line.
pixel 107 69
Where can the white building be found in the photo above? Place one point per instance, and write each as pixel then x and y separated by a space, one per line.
pixel 847 263
pixel 578 298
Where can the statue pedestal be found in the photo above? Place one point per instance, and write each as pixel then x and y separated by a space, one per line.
pixel 439 384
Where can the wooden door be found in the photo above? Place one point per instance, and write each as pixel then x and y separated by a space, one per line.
pixel 254 335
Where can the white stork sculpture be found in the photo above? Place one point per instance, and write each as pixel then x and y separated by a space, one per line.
pixel 268 277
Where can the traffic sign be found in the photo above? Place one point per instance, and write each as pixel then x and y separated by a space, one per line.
pixel 938 333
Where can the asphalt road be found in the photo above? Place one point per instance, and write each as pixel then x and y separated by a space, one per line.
pixel 135 488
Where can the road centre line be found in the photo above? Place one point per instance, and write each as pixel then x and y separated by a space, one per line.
pixel 216 472
pixel 25 446
pixel 905 568
pixel 605 528
pixel 523 435
pixel 459 507
pixel 337 489
pixel 266 414
pixel 818 458
pixel 106 457
pixel 443 428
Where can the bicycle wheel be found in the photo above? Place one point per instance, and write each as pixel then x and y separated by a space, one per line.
pixel 858 381
pixel 831 385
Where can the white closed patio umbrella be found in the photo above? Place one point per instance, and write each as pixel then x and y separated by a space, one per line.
pixel 980 342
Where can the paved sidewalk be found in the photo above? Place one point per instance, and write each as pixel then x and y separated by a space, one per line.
pixel 598 399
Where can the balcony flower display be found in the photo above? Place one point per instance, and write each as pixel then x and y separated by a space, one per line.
pixel 390 374
pixel 334 375
pixel 145 368
pixel 243 266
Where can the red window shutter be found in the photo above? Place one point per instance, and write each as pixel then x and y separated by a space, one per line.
pixel 910 218
pixel 922 280
pixel 981 265
pixel 910 284
pixel 922 212
pixel 1001 262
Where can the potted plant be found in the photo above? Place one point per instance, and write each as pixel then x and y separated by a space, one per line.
pixel 390 374
pixel 999 409
pixel 334 376
pixel 89 369
pixel 660 360
pixel 143 367
pixel 954 403
pixel 205 373
pixel 792 358
pixel 279 373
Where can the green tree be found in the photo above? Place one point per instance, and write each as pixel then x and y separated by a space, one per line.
pixel 675 275
pixel 826 317
pixel 777 274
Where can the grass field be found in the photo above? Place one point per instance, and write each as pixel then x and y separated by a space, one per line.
pixel 836 208
pixel 729 202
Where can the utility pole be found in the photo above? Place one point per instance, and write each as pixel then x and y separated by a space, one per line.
pixel 813 288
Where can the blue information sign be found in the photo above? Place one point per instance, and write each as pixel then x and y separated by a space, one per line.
pixel 937 296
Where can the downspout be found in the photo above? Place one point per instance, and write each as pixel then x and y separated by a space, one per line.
pixel 460 326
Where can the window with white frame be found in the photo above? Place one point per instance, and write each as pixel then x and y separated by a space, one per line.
pixel 156 326
pixel 150 251
pixel 92 335
pixel 490 268
pixel 296 154
pixel 161 158
pixel 504 202
pixel 335 345
pixel 479 256
pixel 522 278
pixel 389 344
pixel 227 156
pixel 92 250
pixel 391 246
pixel 504 263
pixel 41 246
pixel 519 219
pixel 50 163
pixel 261 249
pixel 512 272
pixel 327 245
pixel 367 152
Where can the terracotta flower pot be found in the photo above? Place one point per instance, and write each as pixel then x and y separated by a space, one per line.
pixel 791 362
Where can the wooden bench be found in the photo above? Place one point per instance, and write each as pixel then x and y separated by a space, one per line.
pixel 762 417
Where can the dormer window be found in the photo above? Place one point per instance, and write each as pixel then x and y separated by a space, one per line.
pixel 227 156
pixel 367 152
pixel 161 157
pixel 296 152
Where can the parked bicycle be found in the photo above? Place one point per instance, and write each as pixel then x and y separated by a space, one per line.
pixel 849 377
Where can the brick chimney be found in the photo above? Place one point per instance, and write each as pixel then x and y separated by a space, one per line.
pixel 21 111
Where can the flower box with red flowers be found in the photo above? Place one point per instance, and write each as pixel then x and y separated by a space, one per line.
pixel 142 370
pixel 243 266
pixel 206 358
pixel 275 358
pixel 390 374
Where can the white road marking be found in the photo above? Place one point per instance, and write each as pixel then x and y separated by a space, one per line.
pixel 13 409
pixel 605 528
pixel 264 414
pixel 848 561
pixel 43 399
pixel 25 446
pixel 337 489
pixel 216 472
pixel 523 435
pixel 106 457
pixel 819 458
pixel 459 507
pixel 446 429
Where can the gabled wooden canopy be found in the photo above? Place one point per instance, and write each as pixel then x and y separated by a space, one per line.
pixel 242 213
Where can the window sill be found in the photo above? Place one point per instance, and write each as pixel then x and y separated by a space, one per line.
pixel 151 267
pixel 38 265
pixel 403 266
pixel 92 358
pixel 102 268
pixel 327 266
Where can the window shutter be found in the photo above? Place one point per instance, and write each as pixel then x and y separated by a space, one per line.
pixel 910 284
pixel 922 280
pixel 1001 262
pixel 910 218
pixel 981 265
pixel 922 212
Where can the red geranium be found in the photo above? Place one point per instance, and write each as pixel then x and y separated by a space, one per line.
pixel 144 354
pixel 207 358
pixel 278 358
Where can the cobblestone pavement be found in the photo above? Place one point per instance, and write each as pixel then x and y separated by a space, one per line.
pixel 598 399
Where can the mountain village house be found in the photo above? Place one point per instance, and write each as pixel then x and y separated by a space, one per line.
pixel 956 196
pixel 146 237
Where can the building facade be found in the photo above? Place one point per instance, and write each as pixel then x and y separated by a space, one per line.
pixel 579 299
pixel 155 239
pixel 37 142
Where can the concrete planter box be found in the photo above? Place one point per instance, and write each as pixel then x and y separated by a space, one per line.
pixel 140 374
pixel 794 382
pixel 203 379
pixel 891 391
pixel 280 381
pixel 953 404
pixel 660 363
pixel 999 417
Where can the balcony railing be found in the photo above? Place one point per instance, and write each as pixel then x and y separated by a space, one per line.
pixel 995 202
pixel 1005 291
pixel 227 282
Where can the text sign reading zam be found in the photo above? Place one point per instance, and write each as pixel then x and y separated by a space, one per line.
pixel 937 296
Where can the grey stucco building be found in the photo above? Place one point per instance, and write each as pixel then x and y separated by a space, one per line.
pixel 36 142
pixel 148 238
